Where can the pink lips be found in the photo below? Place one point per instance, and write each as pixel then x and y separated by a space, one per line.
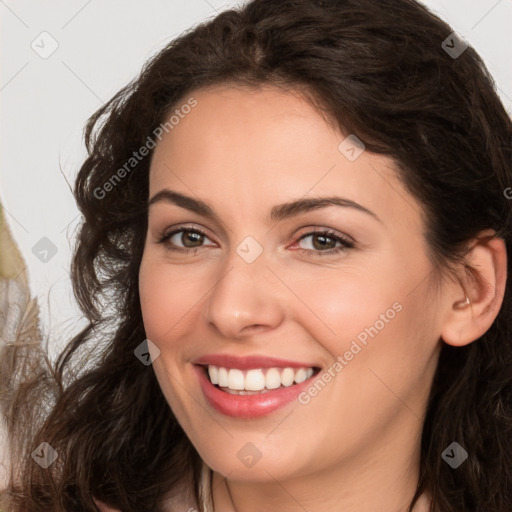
pixel 248 406
pixel 248 362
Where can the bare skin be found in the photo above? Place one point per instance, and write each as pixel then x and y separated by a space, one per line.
pixel 355 446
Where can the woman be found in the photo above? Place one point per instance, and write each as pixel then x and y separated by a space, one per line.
pixel 294 262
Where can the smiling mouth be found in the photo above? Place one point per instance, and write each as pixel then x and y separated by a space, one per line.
pixel 256 381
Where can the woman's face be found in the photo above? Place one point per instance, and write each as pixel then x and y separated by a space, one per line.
pixel 252 277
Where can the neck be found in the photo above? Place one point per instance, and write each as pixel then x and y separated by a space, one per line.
pixel 232 497
pixel 383 479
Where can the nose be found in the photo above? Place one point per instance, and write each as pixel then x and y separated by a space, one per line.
pixel 246 299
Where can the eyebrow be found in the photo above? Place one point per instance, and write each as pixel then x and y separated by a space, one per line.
pixel 277 213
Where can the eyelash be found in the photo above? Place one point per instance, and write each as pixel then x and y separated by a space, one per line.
pixel 346 244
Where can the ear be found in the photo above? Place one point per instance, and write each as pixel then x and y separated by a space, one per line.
pixel 483 284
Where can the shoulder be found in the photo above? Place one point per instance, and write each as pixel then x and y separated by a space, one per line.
pixel 180 498
pixel 176 502
pixel 103 507
pixel 183 496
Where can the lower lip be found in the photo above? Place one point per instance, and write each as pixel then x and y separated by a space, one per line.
pixel 249 406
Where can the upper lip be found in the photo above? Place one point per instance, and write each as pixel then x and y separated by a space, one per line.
pixel 249 362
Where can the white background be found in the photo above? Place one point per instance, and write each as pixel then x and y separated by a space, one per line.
pixel 101 46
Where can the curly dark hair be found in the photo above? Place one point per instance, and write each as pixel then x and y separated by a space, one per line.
pixel 376 68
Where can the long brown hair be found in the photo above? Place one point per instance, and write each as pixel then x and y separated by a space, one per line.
pixel 376 68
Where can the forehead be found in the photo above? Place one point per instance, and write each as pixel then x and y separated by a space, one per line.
pixel 242 124
pixel 245 146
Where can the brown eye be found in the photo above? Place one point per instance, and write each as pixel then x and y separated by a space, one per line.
pixel 191 237
pixel 324 243
pixel 183 239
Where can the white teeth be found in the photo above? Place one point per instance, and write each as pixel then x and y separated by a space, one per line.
pixel 301 375
pixel 287 377
pixel 273 378
pixel 236 379
pixel 223 377
pixel 256 380
pixel 243 392
pixel 213 372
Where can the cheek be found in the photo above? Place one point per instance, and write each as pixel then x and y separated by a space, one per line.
pixel 373 316
pixel 336 306
pixel 165 301
pixel 166 298
pixel 154 300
